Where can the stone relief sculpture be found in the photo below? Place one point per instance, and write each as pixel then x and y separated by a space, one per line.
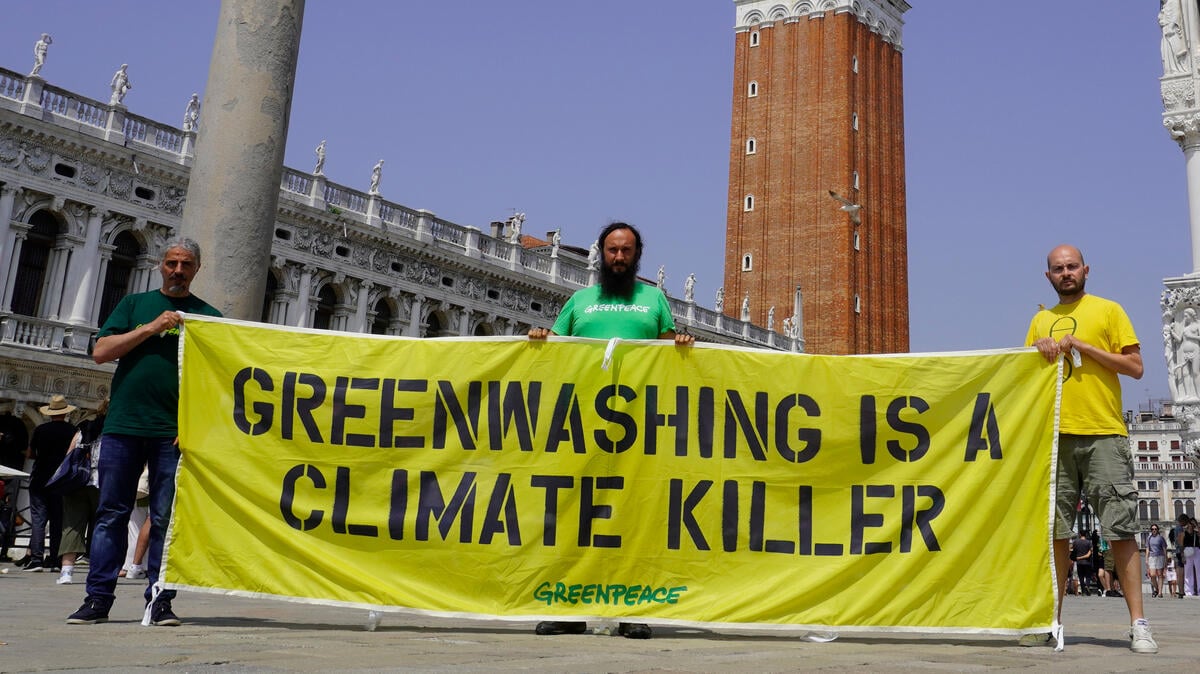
pixel 191 114
pixel 120 85
pixel 319 169
pixel 39 53
pixel 689 288
pixel 1186 368
pixel 1174 45
pixel 1169 353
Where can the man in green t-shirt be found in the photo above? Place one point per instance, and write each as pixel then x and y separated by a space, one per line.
pixel 619 306
pixel 1096 340
pixel 141 430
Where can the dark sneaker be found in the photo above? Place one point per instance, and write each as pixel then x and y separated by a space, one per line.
pixel 35 565
pixel 162 615
pixel 90 613
pixel 634 630
pixel 548 627
pixel 1113 593
pixel 20 563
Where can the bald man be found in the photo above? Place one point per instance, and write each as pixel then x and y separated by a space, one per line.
pixel 1097 343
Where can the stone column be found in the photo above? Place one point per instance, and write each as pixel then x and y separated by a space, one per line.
pixel 414 317
pixel 19 231
pixel 233 193
pixel 303 292
pixel 8 236
pixel 85 270
pixel 360 311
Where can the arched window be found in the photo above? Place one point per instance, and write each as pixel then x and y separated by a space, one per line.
pixel 751 146
pixel 854 177
pixel 1143 510
pixel 433 325
pixel 31 267
pixel 854 121
pixel 119 272
pixel 749 203
pixel 1178 508
pixel 747 262
pixel 1154 510
pixel 752 90
pixel 324 315
pixel 754 38
pixel 383 318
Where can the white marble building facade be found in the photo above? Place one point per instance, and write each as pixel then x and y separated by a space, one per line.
pixel 90 192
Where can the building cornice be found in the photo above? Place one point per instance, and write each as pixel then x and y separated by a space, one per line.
pixel 883 17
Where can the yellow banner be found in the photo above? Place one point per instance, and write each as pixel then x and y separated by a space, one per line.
pixel 505 478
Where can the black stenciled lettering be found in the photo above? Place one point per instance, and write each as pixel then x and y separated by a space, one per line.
pixel 985 430
pixel 398 508
pixel 922 519
pixel 729 515
pixel 465 421
pixel 389 414
pixel 758 516
pixel 681 514
pixel 343 410
pixel 501 516
pixel 622 419
pixel 809 438
pixel 895 408
pixel 755 434
pixel 432 506
pixel 590 510
pixel 264 410
pixel 341 507
pixel 553 484
pixel 294 405
pixel 287 497
pixel 861 520
pixel 706 421
pixel 677 421
pixel 566 425
pixel 516 408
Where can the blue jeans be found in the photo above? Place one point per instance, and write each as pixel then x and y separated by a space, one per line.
pixel 45 512
pixel 121 460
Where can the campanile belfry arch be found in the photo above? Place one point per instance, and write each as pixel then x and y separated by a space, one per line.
pixel 816 172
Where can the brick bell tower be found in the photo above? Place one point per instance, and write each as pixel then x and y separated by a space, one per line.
pixel 816 223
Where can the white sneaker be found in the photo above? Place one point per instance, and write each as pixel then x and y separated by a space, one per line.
pixel 65 578
pixel 1141 641
pixel 135 571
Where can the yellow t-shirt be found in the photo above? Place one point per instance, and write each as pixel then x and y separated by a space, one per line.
pixel 1091 394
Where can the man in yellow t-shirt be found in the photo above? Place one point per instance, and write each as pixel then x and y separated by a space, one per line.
pixel 1097 343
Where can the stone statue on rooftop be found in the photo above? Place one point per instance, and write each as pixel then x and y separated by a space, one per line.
pixel 319 170
pixel 120 85
pixel 689 288
pixel 39 53
pixel 593 255
pixel 719 306
pixel 746 307
pixel 191 114
pixel 771 319
pixel 514 227
pixel 661 279
pixel 555 241
pixel 376 176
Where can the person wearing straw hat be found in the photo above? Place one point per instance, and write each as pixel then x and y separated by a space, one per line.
pixel 47 447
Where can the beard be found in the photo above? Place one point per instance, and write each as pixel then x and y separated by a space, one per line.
pixel 1075 290
pixel 619 283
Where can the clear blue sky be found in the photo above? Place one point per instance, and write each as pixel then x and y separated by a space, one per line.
pixel 1028 123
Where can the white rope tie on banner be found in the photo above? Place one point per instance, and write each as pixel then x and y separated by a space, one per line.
pixel 608 353
pixel 155 590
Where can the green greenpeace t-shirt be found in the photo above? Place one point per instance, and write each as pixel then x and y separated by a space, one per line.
pixel 145 388
pixel 590 313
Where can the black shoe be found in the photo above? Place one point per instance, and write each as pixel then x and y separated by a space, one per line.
pixel 90 613
pixel 1113 593
pixel 162 615
pixel 35 565
pixel 634 630
pixel 548 627
pixel 20 563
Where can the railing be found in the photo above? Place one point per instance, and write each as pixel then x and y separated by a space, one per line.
pixel 539 262
pixel 449 232
pixel 295 181
pixel 45 335
pixel 12 85
pixel 574 273
pixel 162 136
pixel 1165 467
